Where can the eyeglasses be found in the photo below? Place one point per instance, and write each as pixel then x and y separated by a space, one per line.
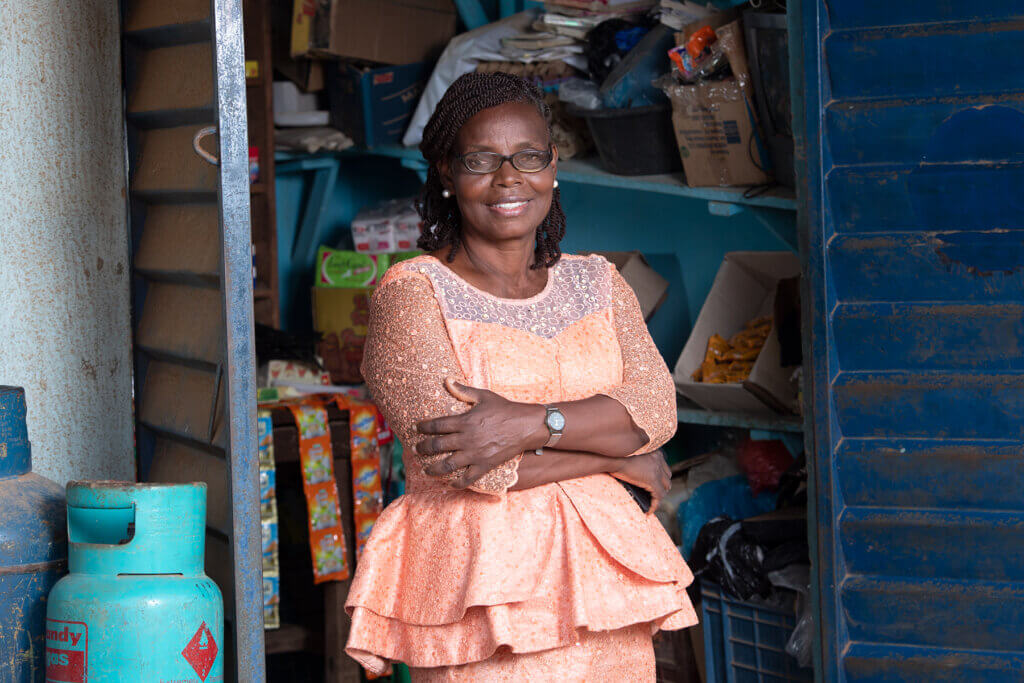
pixel 525 161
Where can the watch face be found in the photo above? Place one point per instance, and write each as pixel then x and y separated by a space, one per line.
pixel 556 421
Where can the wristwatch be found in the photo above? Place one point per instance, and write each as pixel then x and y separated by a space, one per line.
pixel 554 420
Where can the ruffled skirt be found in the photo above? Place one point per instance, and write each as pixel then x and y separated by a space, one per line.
pixel 623 656
pixel 451 577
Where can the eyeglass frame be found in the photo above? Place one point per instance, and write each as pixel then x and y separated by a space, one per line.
pixel 550 151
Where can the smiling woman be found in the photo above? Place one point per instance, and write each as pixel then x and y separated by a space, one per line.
pixel 498 565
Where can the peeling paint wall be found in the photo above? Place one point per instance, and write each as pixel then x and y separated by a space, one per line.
pixel 65 331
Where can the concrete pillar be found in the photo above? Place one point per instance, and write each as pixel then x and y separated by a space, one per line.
pixel 65 329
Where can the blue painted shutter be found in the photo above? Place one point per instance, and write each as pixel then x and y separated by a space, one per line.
pixel 915 253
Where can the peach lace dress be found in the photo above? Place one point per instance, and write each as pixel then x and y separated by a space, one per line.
pixel 566 581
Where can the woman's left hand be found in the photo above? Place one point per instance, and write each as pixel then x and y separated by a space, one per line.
pixel 492 432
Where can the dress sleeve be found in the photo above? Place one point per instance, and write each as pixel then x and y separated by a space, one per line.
pixel 647 391
pixel 407 357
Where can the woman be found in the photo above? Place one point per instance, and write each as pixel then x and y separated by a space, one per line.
pixel 518 379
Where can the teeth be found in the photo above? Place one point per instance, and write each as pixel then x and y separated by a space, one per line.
pixel 510 205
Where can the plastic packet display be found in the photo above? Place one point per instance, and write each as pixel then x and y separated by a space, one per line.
pixel 268 520
pixel 316 467
pixel 271 600
pixel 326 535
pixel 367 491
pixel 323 506
pixel 329 555
pixel 270 545
pixel 268 493
pixel 265 438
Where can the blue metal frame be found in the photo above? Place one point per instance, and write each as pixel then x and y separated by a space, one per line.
pixel 240 356
pixel 805 80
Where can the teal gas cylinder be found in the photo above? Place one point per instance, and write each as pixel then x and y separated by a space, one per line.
pixel 33 546
pixel 136 605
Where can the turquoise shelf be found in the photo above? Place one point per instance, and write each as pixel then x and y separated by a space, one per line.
pixel 767 423
pixel 588 172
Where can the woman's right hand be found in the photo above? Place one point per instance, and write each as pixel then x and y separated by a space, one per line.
pixel 648 471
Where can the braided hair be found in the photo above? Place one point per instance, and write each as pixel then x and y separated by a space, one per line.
pixel 467 96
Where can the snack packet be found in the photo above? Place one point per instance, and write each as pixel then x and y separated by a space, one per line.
pixel 326 535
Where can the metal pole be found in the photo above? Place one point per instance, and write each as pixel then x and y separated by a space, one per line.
pixel 240 372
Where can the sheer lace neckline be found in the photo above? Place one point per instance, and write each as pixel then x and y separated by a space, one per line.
pixel 577 287
pixel 476 290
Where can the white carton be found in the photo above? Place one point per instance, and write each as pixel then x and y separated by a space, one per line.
pixel 386 228
pixel 744 289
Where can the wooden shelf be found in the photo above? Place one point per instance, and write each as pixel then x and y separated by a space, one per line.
pixel 260 111
pixel 291 638
pixel 768 423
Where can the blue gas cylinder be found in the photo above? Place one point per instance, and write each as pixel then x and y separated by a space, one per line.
pixel 33 545
pixel 136 605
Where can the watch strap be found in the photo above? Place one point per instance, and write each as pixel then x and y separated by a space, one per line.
pixel 555 435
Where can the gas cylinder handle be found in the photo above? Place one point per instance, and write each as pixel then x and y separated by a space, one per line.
pixel 101 526
pixel 197 144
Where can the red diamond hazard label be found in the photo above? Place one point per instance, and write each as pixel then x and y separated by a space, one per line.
pixel 201 651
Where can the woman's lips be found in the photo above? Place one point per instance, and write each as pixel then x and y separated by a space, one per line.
pixel 510 207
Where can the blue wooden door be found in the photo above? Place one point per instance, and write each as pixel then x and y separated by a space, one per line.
pixel 913 159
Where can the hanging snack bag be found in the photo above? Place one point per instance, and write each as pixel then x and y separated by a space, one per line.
pixel 271 600
pixel 268 520
pixel 367 493
pixel 326 535
pixel 270 554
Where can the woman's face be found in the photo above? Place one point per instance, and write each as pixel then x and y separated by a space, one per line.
pixel 506 204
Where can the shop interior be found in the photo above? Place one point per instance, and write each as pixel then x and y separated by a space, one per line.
pixel 708 243
pixel 673 121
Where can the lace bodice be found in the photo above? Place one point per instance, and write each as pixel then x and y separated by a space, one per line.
pixel 582 335
pixel 575 289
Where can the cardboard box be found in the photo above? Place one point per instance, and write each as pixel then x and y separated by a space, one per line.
pixel 374 106
pixel 342 315
pixel 385 31
pixel 715 125
pixel 650 288
pixel 744 289
pixel 308 74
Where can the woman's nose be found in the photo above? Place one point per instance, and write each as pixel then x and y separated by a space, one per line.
pixel 507 175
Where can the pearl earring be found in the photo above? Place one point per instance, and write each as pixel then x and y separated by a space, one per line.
pixel 554 184
pixel 446 194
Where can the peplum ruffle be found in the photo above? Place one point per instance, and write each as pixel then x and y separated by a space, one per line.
pixel 449 577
